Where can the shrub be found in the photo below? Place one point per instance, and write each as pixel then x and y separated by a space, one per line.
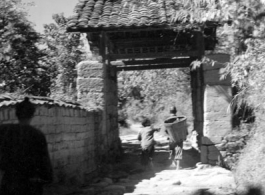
pixel 250 170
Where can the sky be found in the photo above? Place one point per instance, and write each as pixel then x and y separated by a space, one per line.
pixel 42 11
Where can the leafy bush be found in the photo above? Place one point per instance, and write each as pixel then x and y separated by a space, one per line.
pixel 151 93
pixel 64 51
pixel 250 170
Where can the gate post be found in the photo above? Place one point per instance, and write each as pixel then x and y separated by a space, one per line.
pixel 197 88
pixel 217 114
pixel 97 90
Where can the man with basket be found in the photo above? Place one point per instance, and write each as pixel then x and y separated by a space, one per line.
pixel 176 130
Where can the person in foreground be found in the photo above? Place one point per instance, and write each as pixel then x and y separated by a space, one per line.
pixel 24 157
pixel 146 136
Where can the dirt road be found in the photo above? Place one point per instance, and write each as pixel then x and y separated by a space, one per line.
pixel 128 178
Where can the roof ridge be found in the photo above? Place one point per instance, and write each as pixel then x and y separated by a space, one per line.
pixel 12 99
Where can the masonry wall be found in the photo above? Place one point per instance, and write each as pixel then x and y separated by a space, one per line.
pixel 217 115
pixel 97 89
pixel 71 137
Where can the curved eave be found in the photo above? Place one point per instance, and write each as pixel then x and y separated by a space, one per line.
pixel 142 27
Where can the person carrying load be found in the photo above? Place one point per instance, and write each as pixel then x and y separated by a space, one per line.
pixel 176 130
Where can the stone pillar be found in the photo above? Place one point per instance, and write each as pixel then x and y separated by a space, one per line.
pixel 97 90
pixel 90 84
pixel 217 115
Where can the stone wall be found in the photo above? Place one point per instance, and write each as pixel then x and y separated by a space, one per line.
pixel 71 137
pixel 233 143
pixel 231 147
pixel 97 88
pixel 217 115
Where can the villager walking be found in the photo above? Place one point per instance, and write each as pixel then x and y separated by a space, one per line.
pixel 175 145
pixel 146 136
pixel 24 157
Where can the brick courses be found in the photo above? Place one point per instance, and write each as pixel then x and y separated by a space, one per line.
pixel 68 135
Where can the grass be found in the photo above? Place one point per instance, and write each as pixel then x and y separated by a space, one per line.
pixel 250 170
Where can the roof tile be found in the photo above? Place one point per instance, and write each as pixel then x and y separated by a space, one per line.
pixel 9 100
pixel 123 13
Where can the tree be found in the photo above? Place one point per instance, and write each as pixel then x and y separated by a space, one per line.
pixel 152 92
pixel 64 51
pixel 247 68
pixel 19 53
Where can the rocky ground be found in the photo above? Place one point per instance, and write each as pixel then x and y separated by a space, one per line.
pixel 128 177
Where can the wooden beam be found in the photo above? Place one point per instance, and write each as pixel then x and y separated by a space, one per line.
pixel 115 29
pixel 176 26
pixel 109 44
pixel 200 43
pixel 114 57
pixel 102 48
pixel 130 28
pixel 152 62
pixel 141 42
pixel 166 37
pixel 150 67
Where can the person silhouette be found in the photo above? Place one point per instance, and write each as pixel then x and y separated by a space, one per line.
pixel 24 156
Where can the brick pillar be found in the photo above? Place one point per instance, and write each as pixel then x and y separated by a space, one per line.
pixel 217 115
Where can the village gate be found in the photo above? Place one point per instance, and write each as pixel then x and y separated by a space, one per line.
pixel 128 37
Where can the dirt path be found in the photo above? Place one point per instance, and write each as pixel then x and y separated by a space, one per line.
pixel 165 180
pixel 128 178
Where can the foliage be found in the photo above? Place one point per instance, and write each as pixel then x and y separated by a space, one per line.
pixel 37 64
pixel 152 84
pixel 247 71
pixel 151 93
pixel 64 52
pixel 250 167
pixel 245 38
pixel 19 53
pixel 241 34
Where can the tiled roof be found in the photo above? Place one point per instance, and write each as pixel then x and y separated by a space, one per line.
pixel 9 100
pixel 104 14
